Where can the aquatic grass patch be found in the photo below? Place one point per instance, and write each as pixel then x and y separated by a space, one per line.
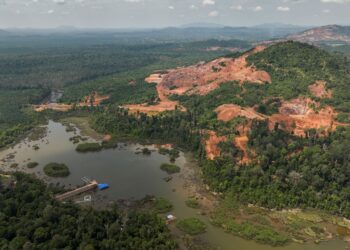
pixel 32 164
pixel 146 151
pixel 56 170
pixel 170 168
pixel 161 205
pixel 173 153
pixel 192 203
pixel 89 147
pixel 192 226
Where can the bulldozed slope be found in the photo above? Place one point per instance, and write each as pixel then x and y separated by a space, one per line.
pixel 204 77
pixel 200 79
pixel 228 112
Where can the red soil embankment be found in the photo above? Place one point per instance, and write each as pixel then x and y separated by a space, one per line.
pixel 211 145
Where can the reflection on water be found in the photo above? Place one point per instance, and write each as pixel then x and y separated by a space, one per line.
pixel 130 176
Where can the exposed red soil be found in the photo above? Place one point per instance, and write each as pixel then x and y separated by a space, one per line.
pixel 205 77
pixel 97 99
pixel 154 78
pixel 107 138
pixel 318 89
pixel 53 106
pixel 211 145
pixel 200 79
pixel 227 112
pixel 241 142
pixel 298 115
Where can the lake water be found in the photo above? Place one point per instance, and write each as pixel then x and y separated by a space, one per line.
pixel 131 176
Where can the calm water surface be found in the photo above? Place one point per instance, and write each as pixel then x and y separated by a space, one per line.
pixel 130 176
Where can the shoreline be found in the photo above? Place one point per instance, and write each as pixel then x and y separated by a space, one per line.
pixel 194 186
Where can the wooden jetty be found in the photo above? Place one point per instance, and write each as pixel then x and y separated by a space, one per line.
pixel 89 186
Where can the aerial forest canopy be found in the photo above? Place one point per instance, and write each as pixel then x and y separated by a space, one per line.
pixel 31 219
pixel 284 170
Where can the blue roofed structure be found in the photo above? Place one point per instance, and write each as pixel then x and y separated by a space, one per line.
pixel 102 186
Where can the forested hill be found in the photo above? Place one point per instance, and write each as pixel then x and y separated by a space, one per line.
pixel 280 144
pixel 293 66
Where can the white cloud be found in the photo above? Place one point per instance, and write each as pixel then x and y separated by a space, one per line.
pixel 258 8
pixel 208 2
pixel 59 1
pixel 50 11
pixel 326 11
pixel 171 7
pixel 236 7
pixel 335 1
pixel 133 1
pixel 214 13
pixel 283 8
pixel 193 7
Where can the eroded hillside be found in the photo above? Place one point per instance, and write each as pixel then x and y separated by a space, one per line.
pixel 297 92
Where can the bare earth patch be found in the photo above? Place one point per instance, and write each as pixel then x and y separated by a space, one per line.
pixel 211 145
pixel 227 112
pixel 318 89
pixel 302 114
pixel 200 79
pixel 296 116
pixel 94 99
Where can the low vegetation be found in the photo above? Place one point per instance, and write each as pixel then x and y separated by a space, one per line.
pixel 161 205
pixel 170 168
pixel 191 226
pixel 89 147
pixel 32 164
pixel 193 203
pixel 56 170
pixel 173 153
pixel 146 151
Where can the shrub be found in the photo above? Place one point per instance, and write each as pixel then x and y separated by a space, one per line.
pixel 193 203
pixel 191 226
pixel 56 170
pixel 32 164
pixel 162 205
pixel 146 151
pixel 170 168
pixel 89 147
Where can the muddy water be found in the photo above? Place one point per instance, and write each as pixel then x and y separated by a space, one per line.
pixel 130 176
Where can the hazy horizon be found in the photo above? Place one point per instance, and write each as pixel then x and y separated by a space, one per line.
pixel 141 14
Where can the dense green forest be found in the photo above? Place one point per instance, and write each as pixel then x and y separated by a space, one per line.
pixel 296 172
pixel 31 219
pixel 30 71
pixel 293 66
pixel 286 171
pixel 313 177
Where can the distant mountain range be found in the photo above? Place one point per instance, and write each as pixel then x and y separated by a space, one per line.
pixel 330 34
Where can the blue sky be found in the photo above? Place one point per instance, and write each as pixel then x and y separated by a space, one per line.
pixel 161 13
